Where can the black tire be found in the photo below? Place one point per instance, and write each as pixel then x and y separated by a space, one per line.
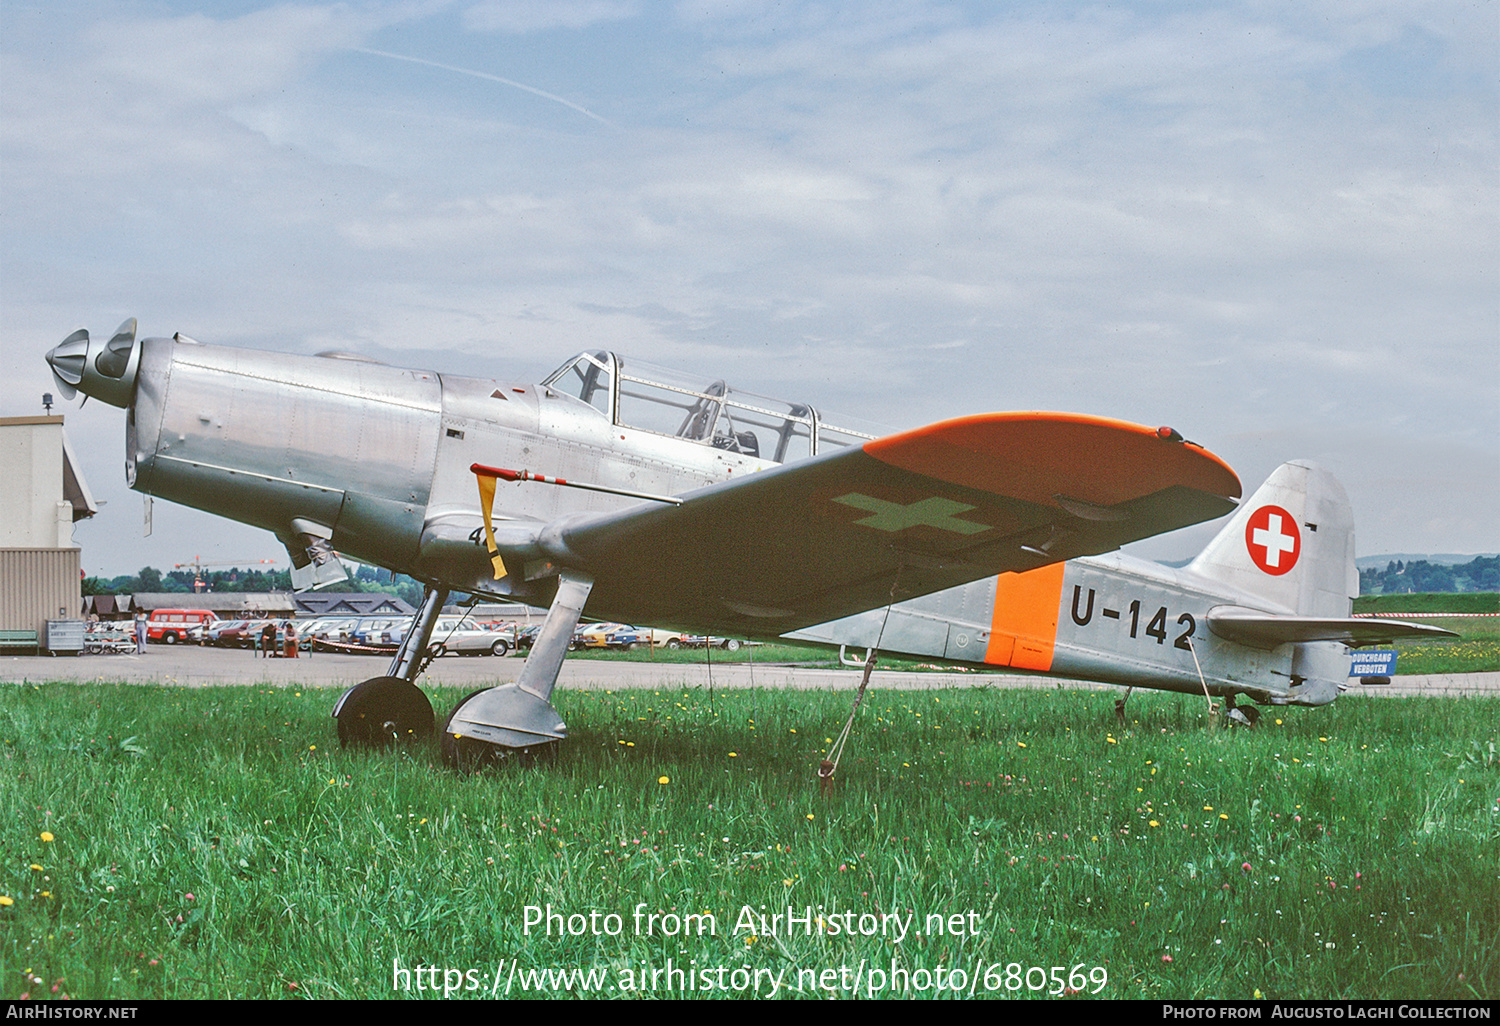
pixel 500 648
pixel 170 638
pixel 383 711
pixel 437 651
pixel 732 645
pixel 675 644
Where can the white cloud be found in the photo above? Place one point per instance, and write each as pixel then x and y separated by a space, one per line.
pixel 1209 217
pixel 518 17
pixel 195 59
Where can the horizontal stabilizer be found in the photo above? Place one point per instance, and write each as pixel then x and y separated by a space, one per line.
pixel 1267 630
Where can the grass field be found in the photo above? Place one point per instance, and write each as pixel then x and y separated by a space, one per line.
pixel 206 843
pixel 1475 650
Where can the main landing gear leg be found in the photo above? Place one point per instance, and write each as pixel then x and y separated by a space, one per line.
pixel 488 724
pixel 1120 706
pixel 389 709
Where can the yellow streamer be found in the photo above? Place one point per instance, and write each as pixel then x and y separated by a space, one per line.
pixel 487 504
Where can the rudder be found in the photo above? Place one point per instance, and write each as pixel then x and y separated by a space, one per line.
pixel 1291 544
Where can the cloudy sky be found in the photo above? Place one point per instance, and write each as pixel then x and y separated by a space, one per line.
pixel 1273 226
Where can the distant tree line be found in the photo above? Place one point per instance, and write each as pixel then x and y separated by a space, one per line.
pixel 1398 578
pixel 150 579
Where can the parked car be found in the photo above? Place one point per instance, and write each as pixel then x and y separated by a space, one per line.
pixel 229 634
pixel 328 628
pixel 382 630
pixel 660 637
pixel 595 635
pixel 626 638
pixel 451 636
pixel 630 638
pixel 169 626
pixel 700 641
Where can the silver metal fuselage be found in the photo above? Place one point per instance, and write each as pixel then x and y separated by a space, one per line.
pixel 375 460
pixel 1112 618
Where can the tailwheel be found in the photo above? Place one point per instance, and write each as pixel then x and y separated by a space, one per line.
pixel 383 711
pixel 1244 715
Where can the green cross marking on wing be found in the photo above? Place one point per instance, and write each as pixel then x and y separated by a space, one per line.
pixel 935 512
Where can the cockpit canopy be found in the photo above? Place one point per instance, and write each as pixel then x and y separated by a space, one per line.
pixel 665 402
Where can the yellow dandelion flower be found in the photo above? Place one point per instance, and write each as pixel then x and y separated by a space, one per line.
pixel 663 780
pixel 809 815
pixel 6 901
pixel 1223 815
pixel 734 755
pixel 47 836
pixel 36 868
pixel 1154 823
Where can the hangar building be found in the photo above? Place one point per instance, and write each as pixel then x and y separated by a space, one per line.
pixel 43 495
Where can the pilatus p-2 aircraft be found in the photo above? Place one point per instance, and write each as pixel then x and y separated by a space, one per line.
pixel 637 495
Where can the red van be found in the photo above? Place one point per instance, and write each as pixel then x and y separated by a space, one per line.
pixel 172 625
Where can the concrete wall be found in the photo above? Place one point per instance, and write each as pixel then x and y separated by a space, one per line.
pixel 38 563
pixel 33 510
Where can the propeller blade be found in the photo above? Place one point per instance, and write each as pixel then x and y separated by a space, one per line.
pixel 67 361
pixel 116 356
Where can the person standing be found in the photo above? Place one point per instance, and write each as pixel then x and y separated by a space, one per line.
pixel 140 633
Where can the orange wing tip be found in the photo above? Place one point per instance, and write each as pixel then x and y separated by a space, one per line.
pixel 1035 456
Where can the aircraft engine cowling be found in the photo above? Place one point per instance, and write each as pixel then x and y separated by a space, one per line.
pixel 105 370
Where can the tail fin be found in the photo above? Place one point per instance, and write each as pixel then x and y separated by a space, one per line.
pixel 1291 544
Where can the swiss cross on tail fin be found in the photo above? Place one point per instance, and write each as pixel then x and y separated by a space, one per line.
pixel 1273 540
